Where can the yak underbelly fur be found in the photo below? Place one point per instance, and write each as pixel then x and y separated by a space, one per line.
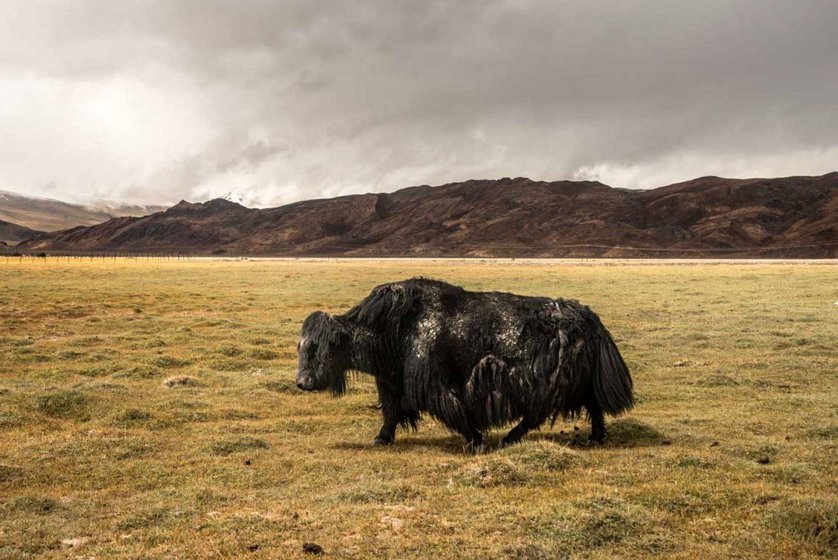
pixel 473 360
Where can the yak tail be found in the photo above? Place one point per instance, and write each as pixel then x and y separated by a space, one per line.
pixel 612 381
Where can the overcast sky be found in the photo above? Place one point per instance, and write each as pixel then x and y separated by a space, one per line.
pixel 153 102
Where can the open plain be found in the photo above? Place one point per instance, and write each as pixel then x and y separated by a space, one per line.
pixel 148 410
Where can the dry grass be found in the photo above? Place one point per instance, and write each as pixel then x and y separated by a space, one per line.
pixel 731 451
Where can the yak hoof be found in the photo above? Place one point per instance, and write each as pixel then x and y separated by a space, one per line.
pixel 476 449
pixel 595 441
pixel 382 441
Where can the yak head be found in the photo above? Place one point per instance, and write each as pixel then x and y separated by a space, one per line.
pixel 325 351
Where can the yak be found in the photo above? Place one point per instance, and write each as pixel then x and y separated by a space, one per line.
pixel 472 360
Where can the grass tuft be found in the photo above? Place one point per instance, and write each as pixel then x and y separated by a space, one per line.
pixel 826 432
pixel 230 446
pixel 72 405
pixel 262 354
pixel 605 521
pixel 169 362
pixel 541 456
pixel 9 419
pixel 137 372
pixel 379 494
pixel 146 519
pixel 717 380
pixel 132 418
pixel 494 470
pixel 287 386
pixel 812 520
pixel 36 505
pixel 230 351
pixel 180 381
pixel 9 473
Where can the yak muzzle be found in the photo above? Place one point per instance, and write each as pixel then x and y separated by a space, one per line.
pixel 305 382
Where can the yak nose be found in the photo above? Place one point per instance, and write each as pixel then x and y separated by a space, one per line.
pixel 303 382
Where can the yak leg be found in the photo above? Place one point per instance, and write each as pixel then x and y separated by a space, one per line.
pixel 598 431
pixel 474 439
pixel 519 431
pixel 393 414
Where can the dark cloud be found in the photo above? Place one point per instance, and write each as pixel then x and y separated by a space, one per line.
pixel 277 101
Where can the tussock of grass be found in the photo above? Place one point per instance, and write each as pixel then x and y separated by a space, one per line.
pixel 789 473
pixel 287 386
pixel 604 521
pixel 10 419
pixel 692 462
pixel 764 454
pixel 826 432
pixel 229 365
pixel 169 362
pixel 230 351
pixel 494 470
pixel 814 520
pixel 379 494
pixel 37 505
pixel 533 552
pixel 529 462
pixel 132 418
pixel 181 418
pixel 237 414
pixel 146 519
pixel 263 354
pixel 137 372
pixel 180 381
pixel 9 473
pixel 542 456
pixel 630 432
pixel 64 404
pixel 230 446
pixel 98 371
pixel 717 380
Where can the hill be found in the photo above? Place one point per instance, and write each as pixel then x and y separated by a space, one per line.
pixel 709 216
pixel 46 214
pixel 11 234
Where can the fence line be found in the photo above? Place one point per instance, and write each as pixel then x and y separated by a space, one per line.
pixel 329 250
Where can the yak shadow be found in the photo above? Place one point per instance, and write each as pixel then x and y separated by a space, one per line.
pixel 454 445
pixel 625 433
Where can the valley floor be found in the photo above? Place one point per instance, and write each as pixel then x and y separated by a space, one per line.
pixel 148 409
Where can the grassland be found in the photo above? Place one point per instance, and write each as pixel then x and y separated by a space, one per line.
pixel 732 450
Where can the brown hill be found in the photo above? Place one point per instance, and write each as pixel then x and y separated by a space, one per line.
pixel 11 234
pixel 45 214
pixel 710 216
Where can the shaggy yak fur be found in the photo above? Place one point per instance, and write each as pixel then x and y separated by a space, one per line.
pixel 473 360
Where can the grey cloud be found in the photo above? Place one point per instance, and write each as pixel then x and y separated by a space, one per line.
pixel 288 100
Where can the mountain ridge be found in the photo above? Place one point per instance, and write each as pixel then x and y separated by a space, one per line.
pixel 706 216
pixel 47 214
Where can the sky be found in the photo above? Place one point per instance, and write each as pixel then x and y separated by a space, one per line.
pixel 154 102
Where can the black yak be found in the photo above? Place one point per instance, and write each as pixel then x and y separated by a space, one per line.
pixel 473 360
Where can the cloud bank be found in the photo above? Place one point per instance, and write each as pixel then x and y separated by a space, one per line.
pixel 152 102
